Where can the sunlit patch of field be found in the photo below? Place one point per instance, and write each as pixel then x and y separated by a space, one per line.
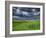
pixel 25 25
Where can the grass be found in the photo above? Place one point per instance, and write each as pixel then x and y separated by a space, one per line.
pixel 26 25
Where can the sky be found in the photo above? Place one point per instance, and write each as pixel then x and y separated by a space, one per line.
pixel 26 13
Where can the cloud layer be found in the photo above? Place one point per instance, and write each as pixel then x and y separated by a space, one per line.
pixel 22 13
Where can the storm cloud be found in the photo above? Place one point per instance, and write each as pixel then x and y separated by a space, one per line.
pixel 25 13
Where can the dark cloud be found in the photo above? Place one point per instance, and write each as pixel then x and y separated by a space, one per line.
pixel 26 13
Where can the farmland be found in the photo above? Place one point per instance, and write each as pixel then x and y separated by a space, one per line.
pixel 20 25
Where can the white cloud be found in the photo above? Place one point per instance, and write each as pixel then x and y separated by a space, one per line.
pixel 25 13
pixel 36 13
pixel 33 10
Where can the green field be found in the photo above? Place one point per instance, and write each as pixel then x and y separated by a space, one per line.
pixel 26 25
